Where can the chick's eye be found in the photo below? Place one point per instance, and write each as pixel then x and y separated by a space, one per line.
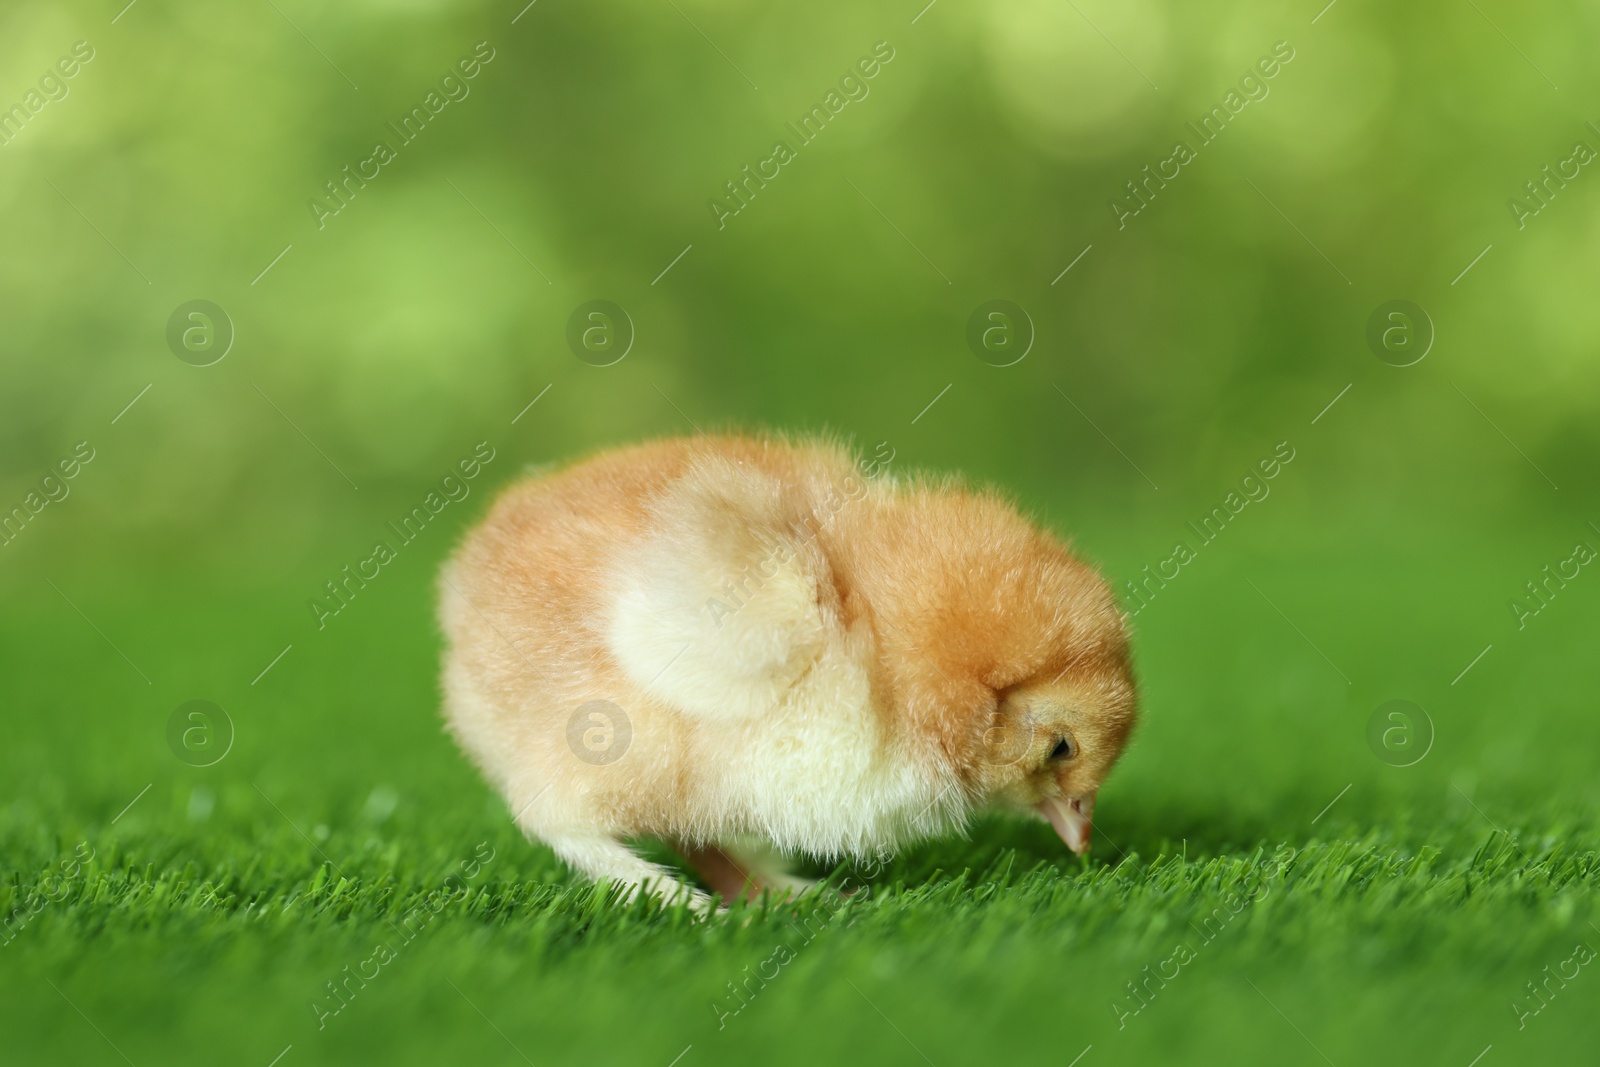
pixel 1064 749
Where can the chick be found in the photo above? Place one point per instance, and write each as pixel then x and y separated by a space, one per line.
pixel 721 640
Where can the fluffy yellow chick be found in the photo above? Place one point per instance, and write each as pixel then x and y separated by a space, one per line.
pixel 724 639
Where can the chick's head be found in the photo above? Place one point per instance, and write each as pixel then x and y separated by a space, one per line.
pixel 1051 741
pixel 1016 653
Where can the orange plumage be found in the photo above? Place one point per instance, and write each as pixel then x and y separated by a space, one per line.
pixel 742 644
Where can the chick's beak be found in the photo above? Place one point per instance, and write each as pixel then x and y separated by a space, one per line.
pixel 1072 818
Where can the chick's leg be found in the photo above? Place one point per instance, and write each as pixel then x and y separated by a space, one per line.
pixel 768 867
pixel 743 869
pixel 607 858
pixel 727 878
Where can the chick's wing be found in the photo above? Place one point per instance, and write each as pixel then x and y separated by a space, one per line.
pixel 718 607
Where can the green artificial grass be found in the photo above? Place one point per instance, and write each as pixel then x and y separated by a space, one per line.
pixel 341 885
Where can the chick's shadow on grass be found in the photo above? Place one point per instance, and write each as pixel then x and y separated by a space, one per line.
pixel 1000 846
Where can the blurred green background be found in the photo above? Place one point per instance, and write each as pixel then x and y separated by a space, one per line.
pixel 1169 354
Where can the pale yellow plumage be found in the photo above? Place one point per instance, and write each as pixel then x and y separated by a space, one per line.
pixel 717 639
